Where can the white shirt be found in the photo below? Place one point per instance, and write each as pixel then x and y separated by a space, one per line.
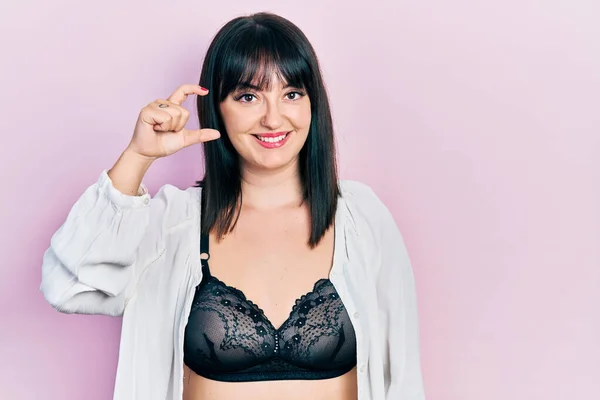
pixel 139 257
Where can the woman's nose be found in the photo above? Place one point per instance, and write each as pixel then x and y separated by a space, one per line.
pixel 272 119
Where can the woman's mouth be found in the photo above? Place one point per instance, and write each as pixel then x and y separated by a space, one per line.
pixel 272 140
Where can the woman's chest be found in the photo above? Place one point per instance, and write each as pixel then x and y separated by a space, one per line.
pixel 271 262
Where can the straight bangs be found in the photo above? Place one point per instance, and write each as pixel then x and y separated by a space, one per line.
pixel 257 55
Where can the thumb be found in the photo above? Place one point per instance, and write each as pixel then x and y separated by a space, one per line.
pixel 195 136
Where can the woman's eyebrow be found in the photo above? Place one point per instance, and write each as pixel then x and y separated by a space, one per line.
pixel 250 86
pixel 244 86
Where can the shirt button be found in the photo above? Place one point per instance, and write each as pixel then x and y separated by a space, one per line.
pixel 146 201
pixel 362 368
pixel 355 315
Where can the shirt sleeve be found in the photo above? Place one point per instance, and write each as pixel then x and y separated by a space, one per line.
pixel 398 304
pixel 93 261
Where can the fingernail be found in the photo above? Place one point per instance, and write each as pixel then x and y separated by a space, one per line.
pixel 203 88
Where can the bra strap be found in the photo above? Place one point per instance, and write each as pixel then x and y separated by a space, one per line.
pixel 204 245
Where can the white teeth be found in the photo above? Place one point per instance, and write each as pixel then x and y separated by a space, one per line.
pixel 271 139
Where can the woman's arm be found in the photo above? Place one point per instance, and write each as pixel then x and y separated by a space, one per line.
pixel 397 294
pixel 97 255
pixel 107 240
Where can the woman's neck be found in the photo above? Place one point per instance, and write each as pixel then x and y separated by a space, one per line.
pixel 271 189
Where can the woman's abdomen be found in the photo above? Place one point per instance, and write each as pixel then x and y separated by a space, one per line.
pixel 340 388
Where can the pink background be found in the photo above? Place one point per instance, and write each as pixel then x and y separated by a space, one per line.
pixel 477 123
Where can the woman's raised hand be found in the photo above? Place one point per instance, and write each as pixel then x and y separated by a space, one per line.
pixel 160 129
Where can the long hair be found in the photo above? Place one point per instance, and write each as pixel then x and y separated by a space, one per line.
pixel 247 51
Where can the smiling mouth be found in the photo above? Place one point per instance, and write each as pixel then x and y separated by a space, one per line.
pixel 270 138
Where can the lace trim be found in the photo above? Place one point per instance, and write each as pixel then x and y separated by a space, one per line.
pixel 316 287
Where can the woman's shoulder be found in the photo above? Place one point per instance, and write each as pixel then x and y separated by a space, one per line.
pixel 360 194
pixel 364 204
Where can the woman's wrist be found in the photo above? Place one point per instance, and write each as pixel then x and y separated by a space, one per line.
pixel 128 172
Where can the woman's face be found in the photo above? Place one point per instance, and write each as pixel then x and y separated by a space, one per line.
pixel 267 128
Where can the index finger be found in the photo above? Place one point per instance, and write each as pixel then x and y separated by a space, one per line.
pixel 183 91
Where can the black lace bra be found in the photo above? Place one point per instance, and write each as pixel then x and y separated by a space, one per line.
pixel 229 338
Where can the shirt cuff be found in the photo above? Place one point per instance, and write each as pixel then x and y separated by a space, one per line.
pixel 122 200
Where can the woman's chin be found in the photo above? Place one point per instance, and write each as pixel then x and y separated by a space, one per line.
pixel 273 164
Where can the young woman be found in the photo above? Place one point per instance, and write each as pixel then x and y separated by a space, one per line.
pixel 269 280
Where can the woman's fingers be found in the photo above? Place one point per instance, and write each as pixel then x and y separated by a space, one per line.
pixel 179 115
pixel 160 129
pixel 159 119
pixel 195 136
pixel 183 91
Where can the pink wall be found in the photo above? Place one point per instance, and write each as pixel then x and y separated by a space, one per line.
pixel 479 126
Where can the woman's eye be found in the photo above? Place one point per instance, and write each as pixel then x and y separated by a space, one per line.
pixel 294 95
pixel 244 98
pixel 247 98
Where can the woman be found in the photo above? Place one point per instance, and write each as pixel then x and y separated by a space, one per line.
pixel 271 280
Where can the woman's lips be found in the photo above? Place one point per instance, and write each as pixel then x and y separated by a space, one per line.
pixel 272 140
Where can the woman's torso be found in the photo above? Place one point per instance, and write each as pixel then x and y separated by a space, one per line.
pixel 267 258
pixel 340 388
pixel 157 310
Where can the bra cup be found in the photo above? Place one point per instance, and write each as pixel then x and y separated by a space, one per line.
pixel 229 338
